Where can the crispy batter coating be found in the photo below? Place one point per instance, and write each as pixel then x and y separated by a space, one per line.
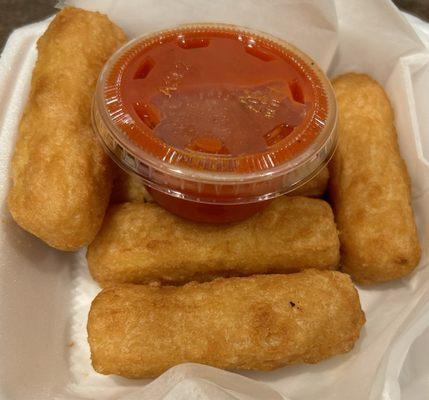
pixel 60 174
pixel 261 322
pixel 128 188
pixel 141 242
pixel 370 187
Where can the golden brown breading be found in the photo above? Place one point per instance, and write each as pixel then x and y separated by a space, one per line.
pixel 316 187
pixel 60 174
pixel 141 242
pixel 128 188
pixel 261 322
pixel 370 186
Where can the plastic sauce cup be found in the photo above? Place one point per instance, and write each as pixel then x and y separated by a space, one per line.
pixel 215 119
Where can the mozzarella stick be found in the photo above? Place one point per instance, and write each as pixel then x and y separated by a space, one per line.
pixel 261 322
pixel 370 187
pixel 141 243
pixel 61 180
pixel 128 188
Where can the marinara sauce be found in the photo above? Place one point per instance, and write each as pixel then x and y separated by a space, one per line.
pixel 216 119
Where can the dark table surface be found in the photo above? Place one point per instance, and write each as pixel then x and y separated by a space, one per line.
pixel 15 13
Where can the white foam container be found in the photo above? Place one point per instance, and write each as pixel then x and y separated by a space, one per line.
pixel 36 295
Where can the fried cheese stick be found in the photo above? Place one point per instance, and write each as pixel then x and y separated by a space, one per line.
pixel 141 243
pixel 370 187
pixel 61 179
pixel 260 322
pixel 128 188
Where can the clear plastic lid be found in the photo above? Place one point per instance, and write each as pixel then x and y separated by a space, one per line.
pixel 161 135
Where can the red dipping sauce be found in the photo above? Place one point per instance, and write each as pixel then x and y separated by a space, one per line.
pixel 215 119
